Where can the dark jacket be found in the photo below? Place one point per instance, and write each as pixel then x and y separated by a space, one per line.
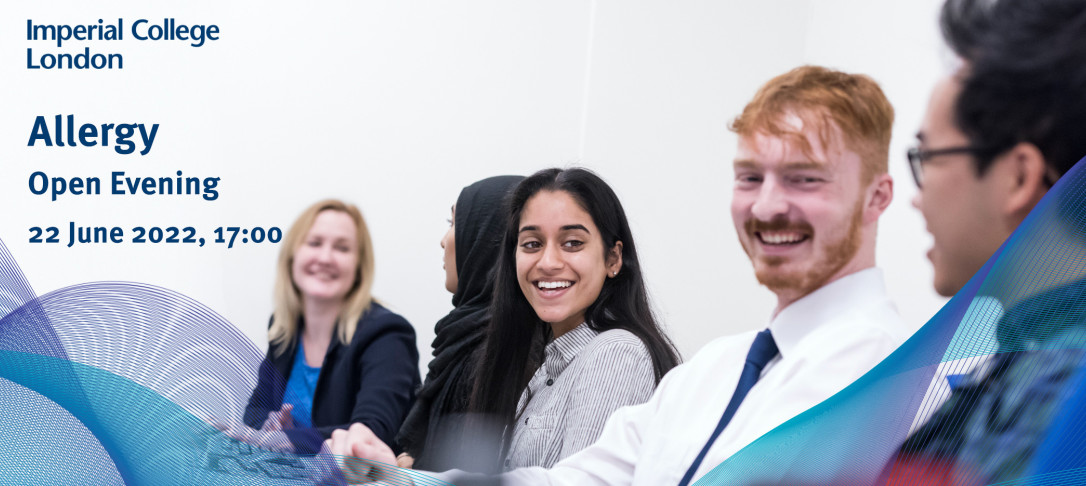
pixel 372 380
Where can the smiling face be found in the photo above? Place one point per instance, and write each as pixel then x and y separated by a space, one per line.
pixel 448 243
pixel 960 207
pixel 324 267
pixel 799 217
pixel 561 260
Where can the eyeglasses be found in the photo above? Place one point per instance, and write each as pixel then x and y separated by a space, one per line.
pixel 917 156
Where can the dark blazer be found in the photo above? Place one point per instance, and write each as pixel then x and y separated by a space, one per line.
pixel 372 381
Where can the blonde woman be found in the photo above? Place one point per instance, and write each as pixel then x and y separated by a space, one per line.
pixel 335 356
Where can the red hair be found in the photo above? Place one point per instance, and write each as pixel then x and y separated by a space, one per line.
pixel 824 99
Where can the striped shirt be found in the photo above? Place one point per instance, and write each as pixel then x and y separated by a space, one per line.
pixel 585 376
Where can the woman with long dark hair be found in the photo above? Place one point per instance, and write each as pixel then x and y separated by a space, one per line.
pixel 571 337
pixel 568 276
pixel 471 249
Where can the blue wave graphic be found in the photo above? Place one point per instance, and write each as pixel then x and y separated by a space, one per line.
pixel 109 382
pixel 849 438
pixel 106 382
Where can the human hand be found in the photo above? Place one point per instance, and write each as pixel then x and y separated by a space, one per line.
pixel 279 419
pixel 405 461
pixel 362 456
pixel 274 440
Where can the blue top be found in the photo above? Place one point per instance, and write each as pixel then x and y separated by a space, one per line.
pixel 300 388
pixel 370 380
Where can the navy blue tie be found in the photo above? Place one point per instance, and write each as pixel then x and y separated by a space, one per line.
pixel 763 350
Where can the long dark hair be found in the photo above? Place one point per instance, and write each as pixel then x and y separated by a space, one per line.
pixel 512 350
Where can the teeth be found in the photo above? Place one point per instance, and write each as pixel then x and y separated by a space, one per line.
pixel 554 285
pixel 781 238
pixel 325 276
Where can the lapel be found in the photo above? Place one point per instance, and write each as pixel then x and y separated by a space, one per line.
pixel 326 367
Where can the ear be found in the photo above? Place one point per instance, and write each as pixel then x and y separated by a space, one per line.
pixel 880 193
pixel 614 259
pixel 1025 170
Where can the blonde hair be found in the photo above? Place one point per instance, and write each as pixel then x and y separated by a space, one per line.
pixel 821 98
pixel 288 301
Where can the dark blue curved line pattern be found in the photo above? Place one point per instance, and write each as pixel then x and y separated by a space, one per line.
pixel 113 380
pixel 14 289
pixel 849 438
pixel 132 367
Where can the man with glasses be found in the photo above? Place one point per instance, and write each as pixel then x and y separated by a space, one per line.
pixel 962 181
pixel 997 135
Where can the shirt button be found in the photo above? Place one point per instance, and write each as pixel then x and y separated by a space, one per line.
pixel 508 463
pixel 550 381
pixel 525 420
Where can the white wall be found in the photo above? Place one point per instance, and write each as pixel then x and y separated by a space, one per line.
pixel 396 105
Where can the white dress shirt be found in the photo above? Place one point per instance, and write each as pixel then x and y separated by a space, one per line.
pixel 969 354
pixel 827 340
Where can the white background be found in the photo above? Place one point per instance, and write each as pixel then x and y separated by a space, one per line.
pixel 396 105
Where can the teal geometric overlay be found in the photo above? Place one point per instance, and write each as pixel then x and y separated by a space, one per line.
pixel 849 438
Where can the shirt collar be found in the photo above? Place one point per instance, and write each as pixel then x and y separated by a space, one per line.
pixel 562 350
pixel 802 317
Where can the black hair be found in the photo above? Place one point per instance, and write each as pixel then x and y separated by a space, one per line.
pixel 512 351
pixel 963 24
pixel 1026 76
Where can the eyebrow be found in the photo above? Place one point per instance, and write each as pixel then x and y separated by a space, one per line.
pixel 568 227
pixel 806 165
pixel 798 165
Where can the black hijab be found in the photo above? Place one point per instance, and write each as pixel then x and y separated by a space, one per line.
pixel 479 224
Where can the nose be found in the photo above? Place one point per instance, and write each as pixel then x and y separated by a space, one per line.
pixel 551 259
pixel 918 199
pixel 770 202
pixel 325 254
pixel 449 235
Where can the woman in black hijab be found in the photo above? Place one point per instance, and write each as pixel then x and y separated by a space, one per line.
pixel 471 250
